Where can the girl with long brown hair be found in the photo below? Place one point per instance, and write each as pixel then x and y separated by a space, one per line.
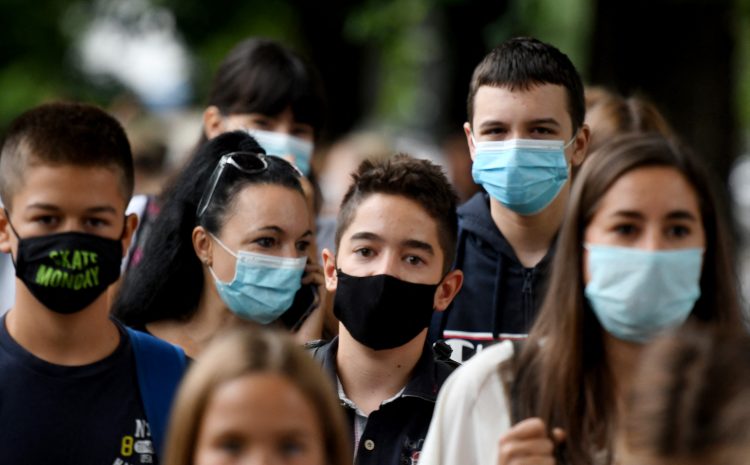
pixel 643 248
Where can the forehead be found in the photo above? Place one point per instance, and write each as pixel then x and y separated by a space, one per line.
pixel 264 403
pixel 268 204
pixel 393 217
pixel 69 186
pixel 656 189
pixel 536 102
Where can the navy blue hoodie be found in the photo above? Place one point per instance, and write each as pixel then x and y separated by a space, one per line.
pixel 500 297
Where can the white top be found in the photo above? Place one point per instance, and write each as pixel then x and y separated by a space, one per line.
pixel 472 411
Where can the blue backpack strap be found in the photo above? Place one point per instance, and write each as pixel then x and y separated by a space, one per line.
pixel 159 367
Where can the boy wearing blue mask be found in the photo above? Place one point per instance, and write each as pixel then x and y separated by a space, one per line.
pixel 526 135
pixel 395 239
pixel 77 387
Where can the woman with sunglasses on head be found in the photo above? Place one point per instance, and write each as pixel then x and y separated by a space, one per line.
pixel 642 250
pixel 229 246
pixel 267 89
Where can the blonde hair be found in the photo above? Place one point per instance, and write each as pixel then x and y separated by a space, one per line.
pixel 253 350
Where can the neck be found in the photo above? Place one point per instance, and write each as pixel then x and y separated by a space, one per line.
pixel 622 360
pixel 193 335
pixel 530 236
pixel 75 339
pixel 369 376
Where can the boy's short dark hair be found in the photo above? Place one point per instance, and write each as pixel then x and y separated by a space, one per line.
pixel 419 180
pixel 524 62
pixel 64 133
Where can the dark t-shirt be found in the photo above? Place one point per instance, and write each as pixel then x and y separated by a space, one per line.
pixel 53 414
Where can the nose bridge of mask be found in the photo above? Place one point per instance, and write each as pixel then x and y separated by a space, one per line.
pixel 262 260
pixel 280 144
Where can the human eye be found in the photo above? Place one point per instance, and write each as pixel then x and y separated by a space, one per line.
pixel 364 252
pixel 265 242
pixel 96 223
pixel 303 131
pixel 303 246
pixel 47 221
pixel 494 131
pixel 291 447
pixel 230 446
pixel 624 229
pixel 414 260
pixel 543 131
pixel 679 230
pixel 260 121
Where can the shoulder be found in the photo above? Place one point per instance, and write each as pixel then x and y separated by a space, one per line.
pixel 472 411
pixel 482 373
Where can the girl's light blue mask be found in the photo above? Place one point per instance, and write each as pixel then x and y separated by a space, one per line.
pixel 637 294
pixel 263 287
pixel 280 144
pixel 524 175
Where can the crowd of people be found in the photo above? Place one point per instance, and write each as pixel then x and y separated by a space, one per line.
pixel 581 308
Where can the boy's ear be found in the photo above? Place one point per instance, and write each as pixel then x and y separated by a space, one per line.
pixel 467 132
pixel 203 246
pixel 329 270
pixel 213 122
pixel 447 289
pixel 131 224
pixel 5 233
pixel 581 145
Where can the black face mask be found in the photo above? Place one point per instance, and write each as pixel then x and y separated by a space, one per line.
pixel 68 271
pixel 383 312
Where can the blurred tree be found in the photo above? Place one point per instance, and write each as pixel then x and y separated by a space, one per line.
pixel 679 54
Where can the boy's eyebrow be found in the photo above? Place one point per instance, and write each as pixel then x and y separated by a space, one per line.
pixel 415 244
pixel 102 209
pixel 491 123
pixel 551 121
pixel 55 208
pixel 367 236
pixel 43 206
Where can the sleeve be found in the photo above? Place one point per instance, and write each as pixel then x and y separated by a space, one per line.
pixel 471 413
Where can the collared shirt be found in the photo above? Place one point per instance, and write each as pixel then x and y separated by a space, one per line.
pixel 360 418
pixel 394 433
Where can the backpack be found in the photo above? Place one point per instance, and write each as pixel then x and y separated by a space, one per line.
pixel 159 369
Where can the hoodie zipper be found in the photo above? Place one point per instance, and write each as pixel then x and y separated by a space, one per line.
pixel 526 290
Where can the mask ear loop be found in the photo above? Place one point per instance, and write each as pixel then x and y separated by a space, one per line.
pixel 7 217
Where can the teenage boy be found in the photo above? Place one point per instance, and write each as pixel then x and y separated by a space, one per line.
pixel 395 243
pixel 526 135
pixel 76 387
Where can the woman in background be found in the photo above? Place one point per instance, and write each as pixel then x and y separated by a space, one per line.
pixel 229 246
pixel 690 403
pixel 254 397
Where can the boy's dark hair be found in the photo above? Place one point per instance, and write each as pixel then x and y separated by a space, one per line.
pixel 524 62
pixel 418 180
pixel 64 133
pixel 263 76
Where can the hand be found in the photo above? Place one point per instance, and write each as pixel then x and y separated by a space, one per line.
pixel 527 443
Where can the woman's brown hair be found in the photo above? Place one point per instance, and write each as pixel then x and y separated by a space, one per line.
pixel 245 351
pixel 690 402
pixel 563 377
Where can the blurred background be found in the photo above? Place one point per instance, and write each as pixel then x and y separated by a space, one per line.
pixel 397 67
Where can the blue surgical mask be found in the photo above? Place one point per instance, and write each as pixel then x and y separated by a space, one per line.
pixel 524 175
pixel 263 287
pixel 637 294
pixel 280 144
